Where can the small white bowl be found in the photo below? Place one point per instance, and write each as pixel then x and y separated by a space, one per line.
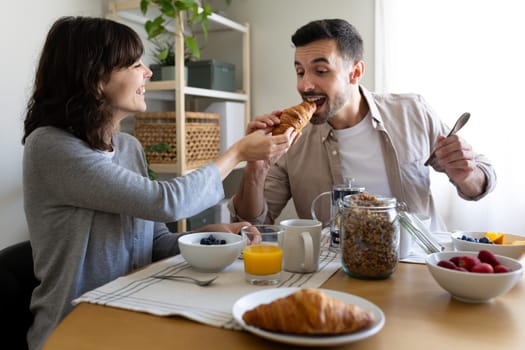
pixel 512 251
pixel 210 258
pixel 474 287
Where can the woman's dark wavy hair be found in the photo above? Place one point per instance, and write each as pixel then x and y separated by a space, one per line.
pixel 78 55
pixel 349 41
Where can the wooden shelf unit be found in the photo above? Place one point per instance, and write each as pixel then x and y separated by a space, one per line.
pixel 177 90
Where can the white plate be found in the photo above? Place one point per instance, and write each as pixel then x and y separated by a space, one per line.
pixel 252 300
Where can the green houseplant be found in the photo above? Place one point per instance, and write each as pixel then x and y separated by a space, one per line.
pixel 164 55
pixel 190 12
pixel 160 147
pixel 164 66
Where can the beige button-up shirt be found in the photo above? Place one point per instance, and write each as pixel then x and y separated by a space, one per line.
pixel 409 129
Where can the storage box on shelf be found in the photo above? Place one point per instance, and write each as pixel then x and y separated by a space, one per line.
pixel 202 137
pixel 212 74
pixel 231 119
pixel 162 73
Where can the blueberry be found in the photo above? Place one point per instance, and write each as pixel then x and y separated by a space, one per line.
pixel 484 240
pixel 212 240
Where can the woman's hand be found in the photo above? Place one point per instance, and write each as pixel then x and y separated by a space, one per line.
pixel 259 147
pixel 262 145
pixel 280 145
pixel 265 122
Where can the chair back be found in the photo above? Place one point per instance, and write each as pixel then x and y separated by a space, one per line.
pixel 18 282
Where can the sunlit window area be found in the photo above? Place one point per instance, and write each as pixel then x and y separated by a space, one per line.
pixel 464 56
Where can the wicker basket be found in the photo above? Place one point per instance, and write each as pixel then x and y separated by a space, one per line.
pixel 202 136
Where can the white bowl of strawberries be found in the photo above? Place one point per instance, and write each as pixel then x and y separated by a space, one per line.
pixel 474 277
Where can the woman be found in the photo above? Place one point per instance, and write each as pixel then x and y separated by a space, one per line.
pixel 92 212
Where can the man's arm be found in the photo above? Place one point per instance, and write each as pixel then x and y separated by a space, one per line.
pixel 249 200
pixel 474 184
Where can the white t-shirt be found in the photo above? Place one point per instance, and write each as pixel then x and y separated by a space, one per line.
pixel 362 157
pixel 108 154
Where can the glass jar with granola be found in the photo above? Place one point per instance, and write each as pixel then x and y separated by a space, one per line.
pixel 370 236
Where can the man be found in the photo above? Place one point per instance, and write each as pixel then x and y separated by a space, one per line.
pixel 381 141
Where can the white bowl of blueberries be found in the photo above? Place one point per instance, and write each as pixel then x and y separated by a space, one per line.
pixel 508 244
pixel 210 251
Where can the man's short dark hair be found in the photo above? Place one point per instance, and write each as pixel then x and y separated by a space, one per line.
pixel 346 35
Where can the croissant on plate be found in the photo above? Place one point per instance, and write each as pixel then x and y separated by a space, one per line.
pixel 309 311
pixel 297 117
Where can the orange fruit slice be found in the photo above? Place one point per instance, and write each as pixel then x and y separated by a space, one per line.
pixel 497 238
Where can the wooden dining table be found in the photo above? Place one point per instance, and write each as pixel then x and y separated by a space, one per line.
pixel 419 314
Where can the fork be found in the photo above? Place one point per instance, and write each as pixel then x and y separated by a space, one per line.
pixel 196 281
pixel 462 120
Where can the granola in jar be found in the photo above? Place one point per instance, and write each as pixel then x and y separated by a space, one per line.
pixel 370 236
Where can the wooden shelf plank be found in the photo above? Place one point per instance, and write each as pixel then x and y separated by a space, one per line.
pixel 130 9
pixel 170 86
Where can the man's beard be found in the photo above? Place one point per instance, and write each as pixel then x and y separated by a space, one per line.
pixel 332 109
pixel 318 119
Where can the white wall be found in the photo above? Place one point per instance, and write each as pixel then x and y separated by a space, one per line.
pixel 22 32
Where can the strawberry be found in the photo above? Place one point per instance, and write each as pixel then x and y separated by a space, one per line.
pixel 482 268
pixel 501 269
pixel 488 257
pixel 447 264
pixel 465 261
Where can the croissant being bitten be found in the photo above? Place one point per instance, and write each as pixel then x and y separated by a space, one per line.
pixel 296 117
pixel 309 311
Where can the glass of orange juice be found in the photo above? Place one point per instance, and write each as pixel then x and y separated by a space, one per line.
pixel 262 254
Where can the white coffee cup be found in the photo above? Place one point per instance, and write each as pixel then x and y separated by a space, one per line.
pixel 301 245
pixel 406 241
